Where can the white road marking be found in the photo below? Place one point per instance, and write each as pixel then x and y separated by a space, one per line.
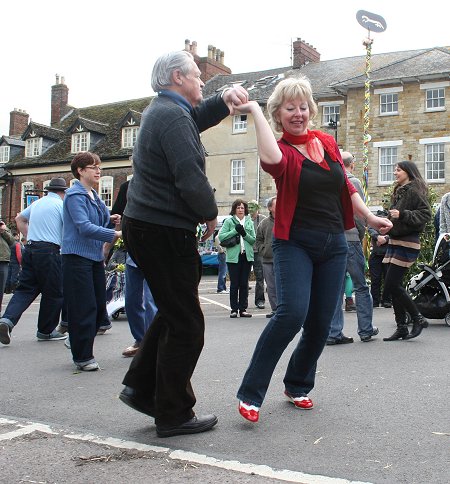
pixel 27 429
pixel 211 301
pixel 246 468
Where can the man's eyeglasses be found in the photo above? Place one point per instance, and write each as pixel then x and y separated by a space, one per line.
pixel 94 167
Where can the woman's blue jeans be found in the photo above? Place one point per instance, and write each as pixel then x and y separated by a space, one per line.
pixel 309 272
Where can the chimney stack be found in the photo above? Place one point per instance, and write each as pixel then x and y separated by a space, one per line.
pixel 60 99
pixel 303 53
pixel 18 122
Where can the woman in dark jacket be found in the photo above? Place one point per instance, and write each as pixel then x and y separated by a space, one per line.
pixel 409 213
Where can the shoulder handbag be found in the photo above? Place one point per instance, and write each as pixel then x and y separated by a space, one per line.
pixel 231 241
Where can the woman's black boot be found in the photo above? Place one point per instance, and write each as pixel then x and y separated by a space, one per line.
pixel 419 322
pixel 400 333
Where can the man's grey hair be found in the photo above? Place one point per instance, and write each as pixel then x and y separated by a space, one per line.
pixel 347 158
pixel 270 201
pixel 166 64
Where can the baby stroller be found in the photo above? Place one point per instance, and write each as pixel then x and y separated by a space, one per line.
pixel 430 288
pixel 115 283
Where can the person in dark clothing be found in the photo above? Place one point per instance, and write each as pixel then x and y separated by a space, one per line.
pixel 410 211
pixel 377 269
pixel 15 263
pixel 168 196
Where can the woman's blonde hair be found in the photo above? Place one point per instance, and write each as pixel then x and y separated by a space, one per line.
pixel 288 90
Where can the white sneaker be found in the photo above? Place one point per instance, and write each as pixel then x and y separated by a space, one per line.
pixel 89 367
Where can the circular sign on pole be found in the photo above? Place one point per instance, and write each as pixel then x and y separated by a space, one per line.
pixel 371 21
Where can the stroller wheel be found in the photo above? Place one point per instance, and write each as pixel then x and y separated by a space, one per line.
pixel 447 319
pixel 116 314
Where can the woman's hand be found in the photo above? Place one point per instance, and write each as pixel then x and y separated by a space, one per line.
pixel 394 213
pixel 380 224
pixel 115 219
pixel 236 96
pixel 240 230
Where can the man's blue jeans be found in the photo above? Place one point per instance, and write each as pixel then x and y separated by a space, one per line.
pixel 363 299
pixel 222 276
pixel 309 271
pixel 139 304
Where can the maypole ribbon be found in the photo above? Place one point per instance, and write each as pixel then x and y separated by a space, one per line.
pixel 366 136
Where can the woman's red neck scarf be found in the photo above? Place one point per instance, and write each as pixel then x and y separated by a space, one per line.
pixel 311 141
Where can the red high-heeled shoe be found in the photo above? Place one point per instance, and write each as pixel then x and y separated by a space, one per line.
pixel 305 403
pixel 249 412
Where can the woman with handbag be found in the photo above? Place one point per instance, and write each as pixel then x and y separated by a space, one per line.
pixel 409 213
pixel 238 236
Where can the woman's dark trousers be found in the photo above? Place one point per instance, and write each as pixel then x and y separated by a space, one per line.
pixel 239 274
pixel 401 301
pixel 85 298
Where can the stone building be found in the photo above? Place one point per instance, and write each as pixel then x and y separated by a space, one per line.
pixel 408 120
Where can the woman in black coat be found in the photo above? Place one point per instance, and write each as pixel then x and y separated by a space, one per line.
pixel 409 213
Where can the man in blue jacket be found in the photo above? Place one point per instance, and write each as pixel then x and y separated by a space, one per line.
pixel 168 196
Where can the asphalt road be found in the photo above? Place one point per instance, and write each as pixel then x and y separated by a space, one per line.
pixel 381 411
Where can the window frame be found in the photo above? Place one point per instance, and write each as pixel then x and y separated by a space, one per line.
pixel 386 149
pixel 434 86
pixel 336 116
pixel 34 145
pixel 239 123
pixel 441 107
pixel 106 196
pixel 5 152
pixel 129 129
pixel 23 188
pixel 237 172
pixel 389 103
pixel 428 162
pixel 76 137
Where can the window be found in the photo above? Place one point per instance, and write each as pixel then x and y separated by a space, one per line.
pixel 26 198
pixel 389 103
pixel 435 99
pixel 33 147
pixel 80 142
pixel 237 176
pixel 129 177
pixel 331 113
pixel 435 95
pixel 387 159
pixel 434 162
pixel 4 154
pixel 45 184
pixel 129 136
pixel 240 123
pixel 106 190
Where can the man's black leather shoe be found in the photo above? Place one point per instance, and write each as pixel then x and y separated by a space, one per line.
pixel 193 426
pixel 129 397
pixel 343 340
